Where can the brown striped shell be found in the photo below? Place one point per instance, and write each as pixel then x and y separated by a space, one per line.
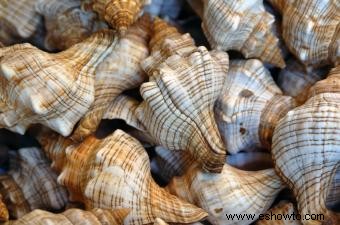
pixel 306 150
pixel 179 98
pixel 31 184
pixel 250 106
pixel 233 191
pixel 113 173
pixel 120 14
pixel 243 26
pixel 118 72
pixel 66 23
pixel 55 90
pixel 18 20
pixel 311 29
pixel 74 217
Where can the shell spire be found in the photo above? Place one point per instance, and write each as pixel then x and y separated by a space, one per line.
pixel 232 191
pixel 51 89
pixel 115 173
pixel 118 72
pixel 306 150
pixel 250 106
pixel 178 102
pixel 243 26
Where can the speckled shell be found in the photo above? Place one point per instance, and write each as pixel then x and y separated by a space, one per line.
pixel 4 216
pixel 306 150
pixel 18 19
pixel 295 80
pixel 311 29
pixel 231 192
pixel 119 71
pixel 177 110
pixel 66 23
pixel 114 172
pixel 120 14
pixel 275 216
pixel 31 184
pixel 243 26
pixel 73 217
pixel 55 90
pixel 250 106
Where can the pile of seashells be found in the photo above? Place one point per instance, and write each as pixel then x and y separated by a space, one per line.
pixel 246 124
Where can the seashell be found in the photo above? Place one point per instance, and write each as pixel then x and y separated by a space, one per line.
pixel 306 150
pixel 124 108
pixel 120 14
pixel 311 30
pixel 51 89
pixel 73 217
pixel 295 80
pixel 179 98
pixel 243 26
pixel 31 185
pixel 167 9
pixel 66 23
pixel 3 211
pixel 251 161
pixel 18 19
pixel 250 106
pixel 114 172
pixel 119 71
pixel 54 146
pixel 233 191
pixel 275 215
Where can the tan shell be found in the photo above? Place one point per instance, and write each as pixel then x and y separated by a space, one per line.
pixel 72 217
pixel 119 71
pixel 120 14
pixel 115 173
pixel 66 23
pixel 295 80
pixel 31 184
pixel 52 89
pixel 231 192
pixel 275 216
pixel 311 29
pixel 250 106
pixel 3 211
pixel 243 26
pixel 177 110
pixel 18 19
pixel 306 150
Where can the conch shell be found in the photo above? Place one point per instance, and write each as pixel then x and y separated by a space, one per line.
pixel 306 150
pixel 119 71
pixel 311 29
pixel 243 26
pixel 275 216
pixel 31 184
pixel 18 19
pixel 74 217
pixel 55 90
pixel 295 80
pixel 3 211
pixel 115 173
pixel 231 192
pixel 66 23
pixel 120 14
pixel 250 106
